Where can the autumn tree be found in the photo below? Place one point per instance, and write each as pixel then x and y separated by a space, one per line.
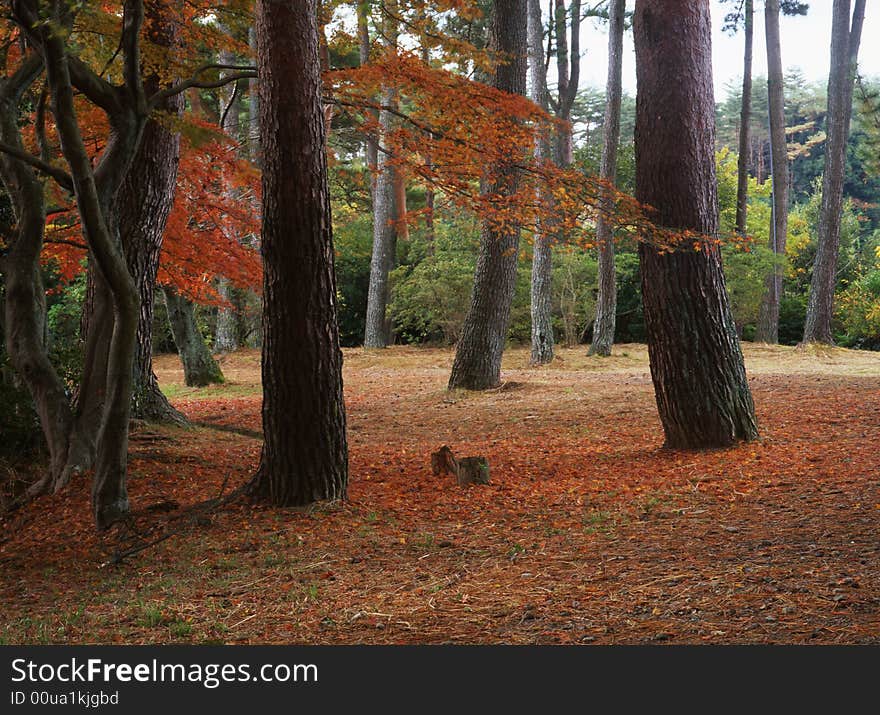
pixel 606 301
pixel 477 363
pixel 846 36
pixel 305 454
pixel 696 363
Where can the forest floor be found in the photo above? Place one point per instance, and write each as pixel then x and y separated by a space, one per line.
pixel 588 533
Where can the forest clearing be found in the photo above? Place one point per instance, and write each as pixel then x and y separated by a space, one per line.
pixel 589 532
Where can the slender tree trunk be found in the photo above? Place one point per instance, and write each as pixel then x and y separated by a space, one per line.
pixel 94 200
pixel 305 454
pixel 542 267
pixel 696 364
pixel 386 215
pixel 768 317
pixel 845 40
pixel 606 301
pixel 25 304
pixel 745 119
pixel 477 364
pixel 199 367
pixel 226 338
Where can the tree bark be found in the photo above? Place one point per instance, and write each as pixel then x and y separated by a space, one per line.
pixel 845 40
pixel 542 257
pixel 768 317
pixel 144 204
pixel 305 453
pixel 25 304
pixel 95 198
pixel 696 363
pixel 199 367
pixel 745 117
pixel 606 301
pixel 386 217
pixel 477 364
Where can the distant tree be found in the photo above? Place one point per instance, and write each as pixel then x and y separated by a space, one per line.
pixel 305 453
pixel 846 36
pixel 477 364
pixel 768 321
pixel 696 362
pixel 606 301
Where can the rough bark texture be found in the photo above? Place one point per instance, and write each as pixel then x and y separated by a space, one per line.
pixel 542 257
pixel 199 366
pixel 768 317
pixel 606 301
pixel 477 364
pixel 845 40
pixel 305 454
pixel 696 363
pixel 144 203
pixel 745 117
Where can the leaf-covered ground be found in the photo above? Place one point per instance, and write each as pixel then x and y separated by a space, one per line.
pixel 589 532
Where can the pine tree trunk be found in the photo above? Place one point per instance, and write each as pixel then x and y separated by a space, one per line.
pixel 696 364
pixel 606 301
pixel 199 367
pixel 305 454
pixel 745 119
pixel 386 214
pixel 144 204
pixel 542 255
pixel 845 40
pixel 768 317
pixel 477 364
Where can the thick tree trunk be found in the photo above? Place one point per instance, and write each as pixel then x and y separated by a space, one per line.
pixel 845 40
pixel 696 363
pixel 768 317
pixel 477 364
pixel 144 204
pixel 542 256
pixel 606 301
pixel 199 367
pixel 305 453
pixel 745 118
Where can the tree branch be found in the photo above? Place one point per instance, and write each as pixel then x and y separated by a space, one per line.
pixel 241 72
pixel 62 177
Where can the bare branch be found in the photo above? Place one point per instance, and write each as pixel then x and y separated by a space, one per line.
pixel 61 176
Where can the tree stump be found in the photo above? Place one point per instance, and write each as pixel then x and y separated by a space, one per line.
pixel 473 470
pixel 467 470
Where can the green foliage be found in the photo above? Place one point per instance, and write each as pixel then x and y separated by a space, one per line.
pixel 575 286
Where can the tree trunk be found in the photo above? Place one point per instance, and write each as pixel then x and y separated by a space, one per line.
pixel 696 364
pixel 305 454
pixel 386 216
pixel 477 364
pixel 144 204
pixel 845 40
pixel 25 304
pixel 199 367
pixel 768 317
pixel 745 116
pixel 606 301
pixel 542 257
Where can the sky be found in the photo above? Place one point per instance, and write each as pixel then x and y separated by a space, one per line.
pixel 806 44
